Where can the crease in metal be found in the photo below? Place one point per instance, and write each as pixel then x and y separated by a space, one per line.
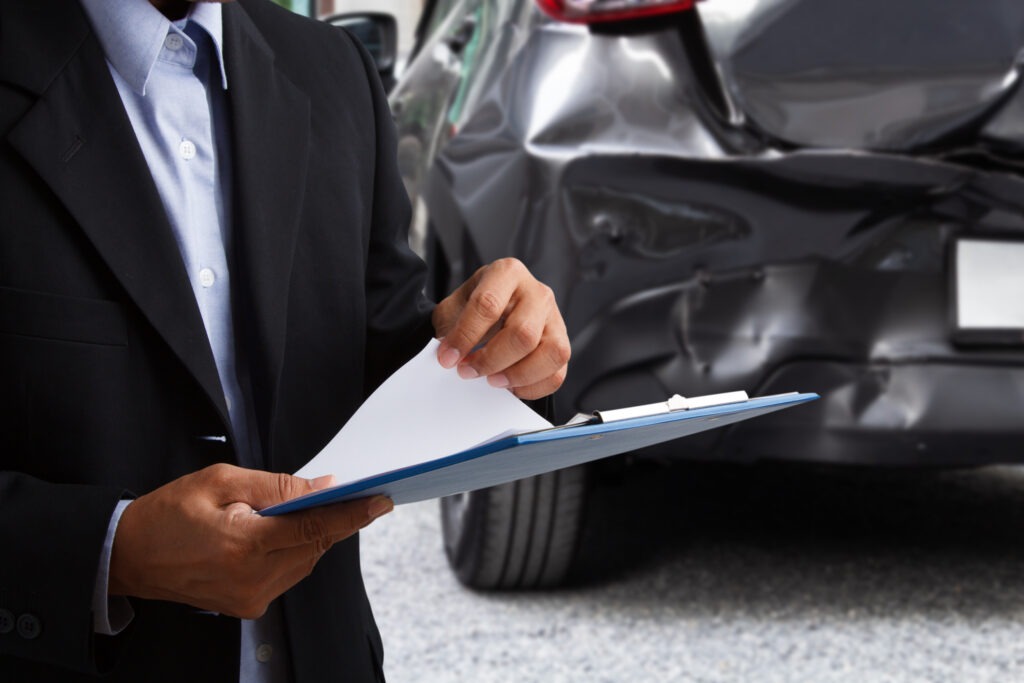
pixel 796 239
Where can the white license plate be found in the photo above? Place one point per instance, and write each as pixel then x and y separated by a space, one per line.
pixel 989 287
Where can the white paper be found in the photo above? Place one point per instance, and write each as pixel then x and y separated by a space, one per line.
pixel 421 413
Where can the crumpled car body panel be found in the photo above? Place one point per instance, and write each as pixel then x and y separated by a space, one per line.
pixel 715 215
pixel 872 74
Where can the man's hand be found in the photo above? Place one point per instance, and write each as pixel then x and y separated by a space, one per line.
pixel 504 305
pixel 197 541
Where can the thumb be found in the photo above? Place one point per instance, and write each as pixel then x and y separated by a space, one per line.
pixel 448 310
pixel 263 489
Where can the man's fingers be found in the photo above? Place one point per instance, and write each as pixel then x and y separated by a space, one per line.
pixel 294 544
pixel 296 562
pixel 278 552
pixel 541 389
pixel 448 310
pixel 258 489
pixel 319 527
pixel 527 347
pixel 211 551
pixel 547 364
pixel 250 586
pixel 485 305
pixel 529 332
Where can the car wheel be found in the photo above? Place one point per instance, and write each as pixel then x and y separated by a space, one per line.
pixel 518 535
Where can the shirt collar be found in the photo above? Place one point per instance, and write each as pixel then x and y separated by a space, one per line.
pixel 132 33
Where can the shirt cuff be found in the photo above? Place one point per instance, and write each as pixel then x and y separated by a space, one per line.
pixel 110 615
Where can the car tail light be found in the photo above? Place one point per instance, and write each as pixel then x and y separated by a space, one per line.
pixel 590 11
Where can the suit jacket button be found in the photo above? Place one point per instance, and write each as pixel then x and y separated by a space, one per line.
pixel 29 626
pixel 6 621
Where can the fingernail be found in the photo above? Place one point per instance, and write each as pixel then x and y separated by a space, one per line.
pixel 448 357
pixel 468 372
pixel 380 506
pixel 323 482
pixel 498 381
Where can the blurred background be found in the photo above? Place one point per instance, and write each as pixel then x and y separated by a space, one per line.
pixel 406 13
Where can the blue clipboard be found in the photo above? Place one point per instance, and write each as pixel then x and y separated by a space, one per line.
pixel 533 453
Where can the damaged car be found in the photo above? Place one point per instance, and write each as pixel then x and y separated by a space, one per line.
pixel 768 195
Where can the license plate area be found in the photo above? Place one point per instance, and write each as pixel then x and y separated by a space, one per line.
pixel 988 292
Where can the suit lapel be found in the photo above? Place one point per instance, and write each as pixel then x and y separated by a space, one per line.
pixel 271 124
pixel 79 140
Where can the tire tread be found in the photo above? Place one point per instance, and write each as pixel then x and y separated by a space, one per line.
pixel 518 535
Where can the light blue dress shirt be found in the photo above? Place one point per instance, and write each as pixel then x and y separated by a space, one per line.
pixel 172 81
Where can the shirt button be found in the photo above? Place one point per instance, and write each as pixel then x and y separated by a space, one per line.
pixel 173 42
pixel 29 626
pixel 187 149
pixel 206 277
pixel 263 653
pixel 6 621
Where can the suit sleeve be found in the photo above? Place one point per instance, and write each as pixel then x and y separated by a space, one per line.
pixel 52 536
pixel 398 312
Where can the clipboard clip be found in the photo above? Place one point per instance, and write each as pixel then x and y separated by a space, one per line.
pixel 674 404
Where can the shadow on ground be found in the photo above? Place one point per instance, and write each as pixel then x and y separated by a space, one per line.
pixel 788 538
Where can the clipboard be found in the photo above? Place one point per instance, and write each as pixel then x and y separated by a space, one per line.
pixel 531 453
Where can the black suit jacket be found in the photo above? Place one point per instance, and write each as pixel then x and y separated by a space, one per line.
pixel 107 379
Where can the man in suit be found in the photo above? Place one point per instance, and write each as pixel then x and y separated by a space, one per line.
pixel 203 264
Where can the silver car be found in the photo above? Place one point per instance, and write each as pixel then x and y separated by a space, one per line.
pixel 734 194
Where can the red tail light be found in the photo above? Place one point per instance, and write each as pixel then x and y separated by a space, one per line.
pixel 590 11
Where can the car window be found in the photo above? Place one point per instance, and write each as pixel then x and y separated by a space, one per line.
pixel 303 7
pixel 438 13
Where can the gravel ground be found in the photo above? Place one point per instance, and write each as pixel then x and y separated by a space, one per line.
pixel 733 573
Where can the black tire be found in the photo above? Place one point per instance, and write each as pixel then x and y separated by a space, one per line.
pixel 518 535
